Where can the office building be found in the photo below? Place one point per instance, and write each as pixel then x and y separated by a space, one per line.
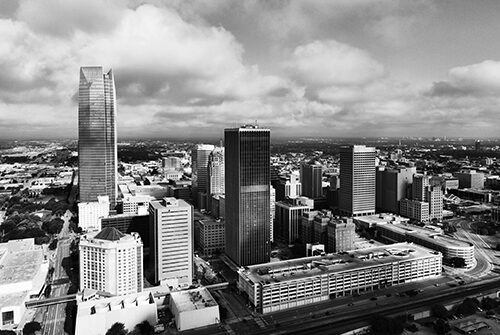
pixel 288 219
pixel 470 179
pixel 341 234
pixel 448 246
pixel 392 186
pixel 415 210
pixel 210 236
pixel 435 198
pixel 128 224
pixel 171 222
pixel 171 163
pixel 287 284
pixel 288 187
pixel 247 159
pixel 306 228
pixel 199 159
pixel 111 262
pixel 311 180
pixel 216 172
pixel 90 213
pixel 357 180
pixel 136 204
pixel 272 211
pixel 419 187
pixel 194 308
pixel 97 150
pixel 23 271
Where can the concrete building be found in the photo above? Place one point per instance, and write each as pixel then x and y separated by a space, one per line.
pixel 341 234
pixel 111 262
pixel 23 269
pixel 136 204
pixel 357 180
pixel 281 285
pixel 90 213
pixel 96 316
pixel 248 177
pixel 392 186
pixel 371 221
pixel 449 247
pixel 194 308
pixel 171 163
pixel 306 228
pixel 210 236
pixel 288 218
pixel 216 174
pixel 310 178
pixel 97 149
pixel 415 209
pixel 470 179
pixel 272 209
pixel 171 222
pixel 419 187
pixel 199 160
pixel 435 199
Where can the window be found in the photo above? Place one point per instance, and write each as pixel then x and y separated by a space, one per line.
pixel 8 317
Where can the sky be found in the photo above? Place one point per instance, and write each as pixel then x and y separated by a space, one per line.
pixel 185 68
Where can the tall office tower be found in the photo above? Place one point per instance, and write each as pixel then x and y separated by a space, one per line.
pixel 90 213
pixel 289 217
pixel 310 178
pixel 272 210
pixel 171 222
pixel 199 161
pixel 97 151
pixel 216 172
pixel 247 159
pixel 357 180
pixel 419 187
pixel 435 198
pixel 111 261
pixel 392 186
pixel 341 234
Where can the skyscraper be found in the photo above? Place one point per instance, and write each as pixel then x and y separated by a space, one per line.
pixel 247 159
pixel 310 178
pixel 215 177
pixel 357 180
pixel 171 222
pixel 199 160
pixel 97 151
pixel 392 187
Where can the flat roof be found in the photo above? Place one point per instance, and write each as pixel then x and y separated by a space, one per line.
pixel 19 265
pixel 334 263
pixel 426 234
pixel 189 300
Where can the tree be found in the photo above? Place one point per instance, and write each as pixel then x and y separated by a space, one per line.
pixel 144 328
pixel 31 327
pixel 53 244
pixel 442 327
pixel 439 311
pixel 468 307
pixel 117 328
pixel 7 332
pixel 488 303
pixel 457 262
pixel 54 226
pixel 386 325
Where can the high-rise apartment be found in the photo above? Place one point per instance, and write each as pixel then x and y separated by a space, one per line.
pixel 310 178
pixel 357 180
pixel 247 173
pixel 97 151
pixel 171 222
pixel 111 261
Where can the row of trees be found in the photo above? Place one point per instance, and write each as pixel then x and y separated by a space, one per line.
pixel 143 328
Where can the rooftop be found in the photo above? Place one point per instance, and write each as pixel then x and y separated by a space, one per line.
pixel 194 299
pixel 19 262
pixel 110 234
pixel 310 266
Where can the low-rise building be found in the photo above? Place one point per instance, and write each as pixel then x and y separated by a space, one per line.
pixel 415 209
pixel 281 285
pixel 194 308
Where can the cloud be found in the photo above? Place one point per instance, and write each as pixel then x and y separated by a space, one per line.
pixel 327 63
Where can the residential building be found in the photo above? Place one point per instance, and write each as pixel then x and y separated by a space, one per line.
pixel 357 180
pixel 171 222
pixel 111 262
pixel 247 173
pixel 97 149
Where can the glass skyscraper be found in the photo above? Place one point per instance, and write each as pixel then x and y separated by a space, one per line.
pixel 247 185
pixel 97 151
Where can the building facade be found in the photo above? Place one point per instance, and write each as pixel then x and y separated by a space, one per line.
pixel 310 178
pixel 247 159
pixel 171 222
pixel 341 234
pixel 97 149
pixel 470 179
pixel 357 180
pixel 90 213
pixel 414 209
pixel 111 262
pixel 288 219
pixel 210 236
pixel 392 186
pixel 199 160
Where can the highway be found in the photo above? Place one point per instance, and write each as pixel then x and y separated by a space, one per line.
pixel 55 315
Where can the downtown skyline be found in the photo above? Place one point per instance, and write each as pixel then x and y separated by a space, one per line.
pixel 318 68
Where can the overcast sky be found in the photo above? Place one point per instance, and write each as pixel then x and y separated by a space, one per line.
pixel 301 68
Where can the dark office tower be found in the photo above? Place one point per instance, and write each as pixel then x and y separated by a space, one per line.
pixel 477 145
pixel 357 180
pixel 97 154
pixel 310 178
pixel 199 162
pixel 247 184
